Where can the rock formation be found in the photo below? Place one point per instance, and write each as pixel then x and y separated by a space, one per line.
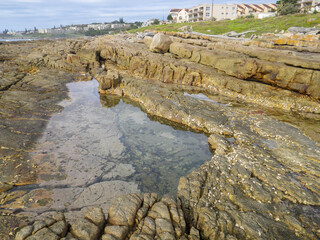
pixel 263 179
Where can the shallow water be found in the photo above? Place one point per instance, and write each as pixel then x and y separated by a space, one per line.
pixel 100 147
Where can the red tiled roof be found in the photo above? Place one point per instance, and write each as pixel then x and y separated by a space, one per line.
pixel 239 6
pixel 257 6
pixel 175 10
pixel 247 5
pixel 265 5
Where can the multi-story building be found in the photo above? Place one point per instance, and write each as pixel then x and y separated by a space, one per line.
pixel 174 14
pixel 183 15
pixel 308 5
pixel 206 12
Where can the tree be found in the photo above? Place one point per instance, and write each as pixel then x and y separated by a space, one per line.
pixel 169 18
pixel 121 20
pixel 155 22
pixel 285 7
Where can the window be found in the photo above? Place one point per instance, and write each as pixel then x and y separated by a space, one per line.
pixel 226 13
pixel 207 14
pixel 221 7
pixel 180 18
pixel 207 9
pixel 233 8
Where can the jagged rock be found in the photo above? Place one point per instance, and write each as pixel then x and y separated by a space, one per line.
pixel 37 225
pixel 120 232
pixel 160 43
pixel 58 216
pixel 60 228
pixel 107 80
pixel 123 211
pixel 83 229
pixel 24 233
pixel 44 233
pixel 96 216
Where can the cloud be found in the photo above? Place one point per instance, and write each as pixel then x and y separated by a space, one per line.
pixel 21 14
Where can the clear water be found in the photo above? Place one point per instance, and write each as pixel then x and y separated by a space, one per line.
pixel 100 147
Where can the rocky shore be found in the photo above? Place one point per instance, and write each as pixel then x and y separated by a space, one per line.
pixel 263 179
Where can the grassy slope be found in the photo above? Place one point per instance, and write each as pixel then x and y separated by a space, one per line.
pixel 240 25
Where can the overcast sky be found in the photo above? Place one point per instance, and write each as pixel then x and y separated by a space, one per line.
pixel 21 14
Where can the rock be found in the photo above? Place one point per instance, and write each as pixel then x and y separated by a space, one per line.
pixel 44 233
pixel 83 229
pixel 160 43
pixel 107 80
pixel 123 210
pixel 37 225
pixel 302 30
pixel 24 233
pixel 96 216
pixel 60 228
pixel 147 41
pixel 120 232
pixel 58 216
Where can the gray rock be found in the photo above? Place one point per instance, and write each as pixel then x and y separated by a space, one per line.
pixel 160 43
pixel 302 30
pixel 84 230
pixel 24 233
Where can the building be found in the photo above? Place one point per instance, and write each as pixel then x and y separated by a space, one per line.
pixel 174 14
pixel 205 12
pixel 258 11
pixel 308 5
pixel 183 15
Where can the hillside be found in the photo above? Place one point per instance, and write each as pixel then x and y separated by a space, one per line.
pixel 243 24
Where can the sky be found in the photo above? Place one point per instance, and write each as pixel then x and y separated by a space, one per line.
pixel 21 14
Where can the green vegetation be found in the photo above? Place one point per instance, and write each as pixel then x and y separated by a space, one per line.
pixel 243 24
pixel 286 7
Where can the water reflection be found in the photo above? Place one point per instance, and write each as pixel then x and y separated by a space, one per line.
pixel 99 148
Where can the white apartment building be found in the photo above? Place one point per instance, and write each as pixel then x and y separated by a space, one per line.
pixel 183 15
pixel 205 12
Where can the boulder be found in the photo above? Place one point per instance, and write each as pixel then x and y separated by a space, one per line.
pixel 147 41
pixel 160 43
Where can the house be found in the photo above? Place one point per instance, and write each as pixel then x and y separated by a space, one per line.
pixel 183 15
pixel 174 14
pixel 268 7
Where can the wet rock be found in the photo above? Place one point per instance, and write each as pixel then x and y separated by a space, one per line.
pixel 160 43
pixel 24 233
pixel 83 229
pixel 107 80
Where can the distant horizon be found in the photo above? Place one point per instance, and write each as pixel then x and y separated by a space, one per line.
pixel 18 15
